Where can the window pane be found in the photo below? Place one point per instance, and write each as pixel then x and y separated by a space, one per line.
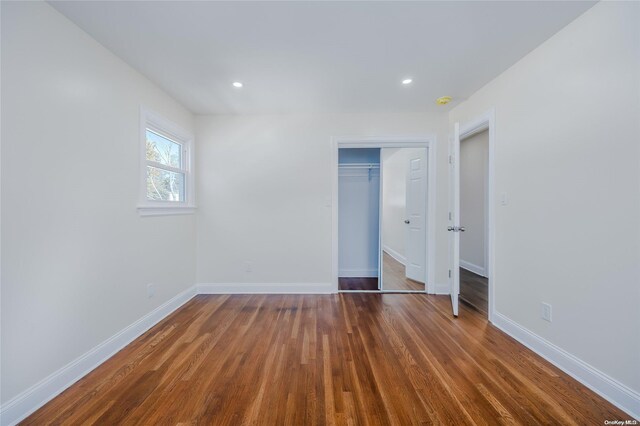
pixel 164 185
pixel 163 150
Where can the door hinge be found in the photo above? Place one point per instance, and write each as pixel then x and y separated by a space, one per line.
pixel 449 273
pixel 450 159
pixel 450 216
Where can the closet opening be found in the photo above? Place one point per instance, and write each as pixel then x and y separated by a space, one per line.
pixel 359 218
pixel 382 218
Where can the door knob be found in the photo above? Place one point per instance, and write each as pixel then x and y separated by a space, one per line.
pixel 456 228
pixel 407 221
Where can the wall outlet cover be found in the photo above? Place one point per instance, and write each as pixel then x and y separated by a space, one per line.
pixel 545 311
pixel 151 290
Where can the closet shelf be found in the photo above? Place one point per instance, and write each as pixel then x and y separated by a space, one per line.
pixel 358 166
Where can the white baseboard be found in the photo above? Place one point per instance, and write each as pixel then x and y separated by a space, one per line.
pixel 610 389
pixel 473 268
pixel 442 288
pixel 397 256
pixel 358 273
pixel 22 405
pixel 258 288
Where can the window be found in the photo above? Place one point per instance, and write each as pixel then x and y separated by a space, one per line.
pixel 166 175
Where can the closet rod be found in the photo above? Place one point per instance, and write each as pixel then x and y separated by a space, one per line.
pixel 359 165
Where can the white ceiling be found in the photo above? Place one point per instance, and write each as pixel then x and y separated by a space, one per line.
pixel 320 56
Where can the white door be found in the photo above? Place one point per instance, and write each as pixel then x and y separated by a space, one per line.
pixel 454 219
pixel 416 220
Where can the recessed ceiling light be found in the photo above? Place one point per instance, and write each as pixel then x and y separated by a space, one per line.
pixel 407 81
pixel 237 84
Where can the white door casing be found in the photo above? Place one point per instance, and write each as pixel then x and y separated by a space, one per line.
pixel 454 219
pixel 416 211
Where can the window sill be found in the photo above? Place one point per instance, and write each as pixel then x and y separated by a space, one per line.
pixel 165 210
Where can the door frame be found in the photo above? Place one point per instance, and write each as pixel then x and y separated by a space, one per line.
pixel 422 141
pixel 486 121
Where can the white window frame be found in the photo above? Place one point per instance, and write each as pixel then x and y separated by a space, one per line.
pixel 157 123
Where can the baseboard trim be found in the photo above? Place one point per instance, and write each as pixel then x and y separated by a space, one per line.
pixel 442 288
pixel 607 387
pixel 397 256
pixel 358 273
pixel 473 268
pixel 24 404
pixel 261 288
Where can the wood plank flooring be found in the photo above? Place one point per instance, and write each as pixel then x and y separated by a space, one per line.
pixel 349 283
pixel 394 276
pixel 474 291
pixel 343 359
pixel 394 279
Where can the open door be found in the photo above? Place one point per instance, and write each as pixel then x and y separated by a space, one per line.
pixel 454 218
pixel 416 212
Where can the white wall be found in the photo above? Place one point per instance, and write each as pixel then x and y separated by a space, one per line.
pixel 394 199
pixel 76 257
pixel 474 158
pixel 264 187
pixel 567 154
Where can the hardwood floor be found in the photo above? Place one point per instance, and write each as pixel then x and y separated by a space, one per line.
pixel 474 291
pixel 394 277
pixel 357 283
pixel 351 358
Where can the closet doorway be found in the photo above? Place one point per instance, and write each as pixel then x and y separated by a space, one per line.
pixel 382 209
pixel 359 218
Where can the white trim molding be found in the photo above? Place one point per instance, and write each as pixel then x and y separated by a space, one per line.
pixel 397 256
pixel 358 273
pixel 164 211
pixel 264 288
pixel 22 405
pixel 442 288
pixel 473 268
pixel 607 387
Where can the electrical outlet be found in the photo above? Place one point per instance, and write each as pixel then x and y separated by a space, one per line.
pixel 151 290
pixel 248 267
pixel 545 311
